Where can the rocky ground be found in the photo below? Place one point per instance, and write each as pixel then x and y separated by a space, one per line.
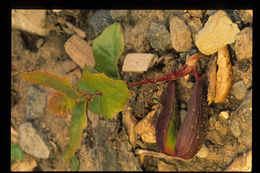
pixel 127 142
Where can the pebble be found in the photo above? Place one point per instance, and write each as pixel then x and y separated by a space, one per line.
pixel 195 25
pixel 118 14
pixel 224 114
pixel 100 20
pixel 31 142
pixel 28 164
pixel 138 62
pixel 162 166
pixel 158 36
pixel 196 13
pixel 32 21
pixel 218 31
pixel 79 51
pixel 239 90
pixel 36 103
pixel 244 44
pixel 78 31
pixel 242 163
pixel 180 35
pixel 203 152
pixel 146 128
pixel 246 15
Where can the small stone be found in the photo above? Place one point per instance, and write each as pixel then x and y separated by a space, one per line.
pixel 32 21
pixel 28 164
pixel 162 166
pixel 31 142
pixel 138 62
pixel 100 20
pixel 246 15
pixel 224 114
pixel 56 11
pixel 239 90
pixel 118 14
pixel 218 31
pixel 135 37
pixel 244 44
pixel 195 25
pixel 196 13
pixel 146 128
pixel 242 163
pixel 180 35
pixel 79 51
pixel 203 152
pixel 78 31
pixel 36 103
pixel 158 36
pixel 39 43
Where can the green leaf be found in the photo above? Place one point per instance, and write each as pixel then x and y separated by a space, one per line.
pixel 107 48
pixel 60 104
pixel 114 93
pixel 78 123
pixel 51 80
pixel 16 152
pixel 74 163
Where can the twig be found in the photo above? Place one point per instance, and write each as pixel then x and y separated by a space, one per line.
pixel 156 154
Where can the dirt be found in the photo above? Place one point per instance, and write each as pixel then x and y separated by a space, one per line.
pixel 31 52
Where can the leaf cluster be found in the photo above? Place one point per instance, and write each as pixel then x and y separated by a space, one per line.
pixel 99 90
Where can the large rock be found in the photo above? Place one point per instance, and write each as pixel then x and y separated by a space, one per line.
pixel 244 44
pixel 31 142
pixel 218 31
pixel 180 35
pixel 32 21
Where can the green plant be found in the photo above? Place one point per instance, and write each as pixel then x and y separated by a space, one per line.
pixel 16 152
pixel 100 89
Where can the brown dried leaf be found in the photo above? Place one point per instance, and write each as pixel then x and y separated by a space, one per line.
pixel 223 83
pixel 212 77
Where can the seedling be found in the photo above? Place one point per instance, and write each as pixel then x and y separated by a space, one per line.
pixel 100 89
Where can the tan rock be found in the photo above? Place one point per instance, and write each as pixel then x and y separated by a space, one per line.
pixel 79 51
pixel 218 31
pixel 78 31
pixel 28 164
pixel 138 62
pixel 203 152
pixel 162 166
pixel 242 163
pixel 32 21
pixel 146 128
pixel 129 124
pixel 180 35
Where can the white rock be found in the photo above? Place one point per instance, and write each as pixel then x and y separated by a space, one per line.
pixel 218 31
pixel 32 21
pixel 31 142
pixel 138 62
pixel 79 51
pixel 180 35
